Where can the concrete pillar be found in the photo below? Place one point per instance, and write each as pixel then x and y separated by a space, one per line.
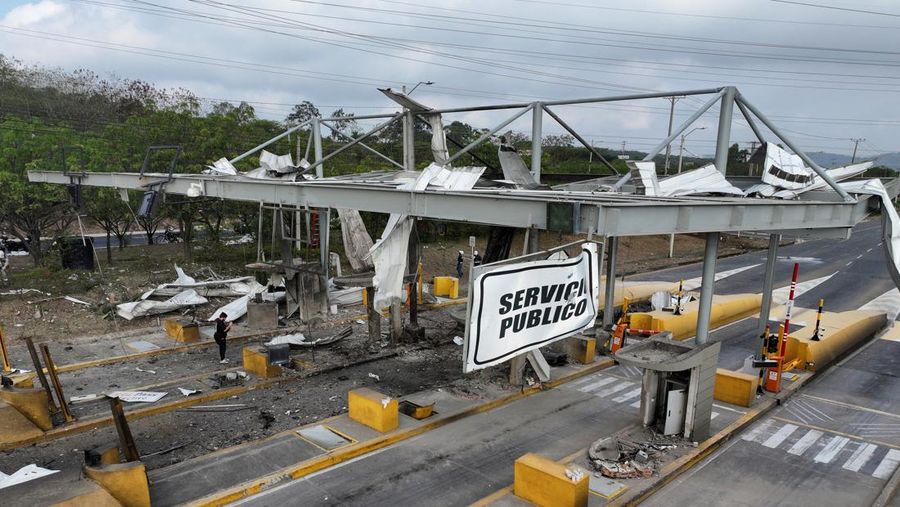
pixel 409 141
pixel 609 307
pixel 396 322
pixel 768 282
pixel 374 317
pixel 723 138
pixel 707 287
pixel 537 119
pixel 649 388
pixel 317 146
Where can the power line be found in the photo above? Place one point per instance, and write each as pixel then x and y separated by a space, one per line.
pixel 836 8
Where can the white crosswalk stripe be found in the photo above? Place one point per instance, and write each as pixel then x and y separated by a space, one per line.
pixel 627 396
pixel 760 429
pixel 888 464
pixel 596 385
pixel 805 442
pixel 831 449
pixel 713 415
pixel 860 457
pixel 780 436
pixel 614 389
pixel 636 404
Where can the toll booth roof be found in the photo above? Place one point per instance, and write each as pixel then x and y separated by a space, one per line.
pixel 661 353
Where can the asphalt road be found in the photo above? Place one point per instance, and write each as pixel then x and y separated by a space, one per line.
pixel 472 458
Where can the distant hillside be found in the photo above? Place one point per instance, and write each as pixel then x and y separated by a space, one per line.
pixel 826 159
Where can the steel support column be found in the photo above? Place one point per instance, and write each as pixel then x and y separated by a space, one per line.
pixel 723 138
pixel 317 147
pixel 409 141
pixel 707 286
pixel 609 306
pixel 768 282
pixel 537 135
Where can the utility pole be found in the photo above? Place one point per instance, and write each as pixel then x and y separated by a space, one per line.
pixel 623 148
pixel 590 156
pixel 673 99
pixel 752 151
pixel 855 146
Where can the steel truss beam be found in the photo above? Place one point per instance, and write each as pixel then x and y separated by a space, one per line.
pixel 602 214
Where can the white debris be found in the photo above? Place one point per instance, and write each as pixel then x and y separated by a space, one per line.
pixel 24 474
pixel 137 396
pixel 145 371
pixel 376 377
pixel 575 474
pixel 385 402
pixel 77 301
pixel 293 339
pixel 146 307
pixel 188 392
pixel 458 340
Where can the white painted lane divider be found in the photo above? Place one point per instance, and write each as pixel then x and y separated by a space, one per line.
pixel 805 442
pixel 831 449
pixel 887 465
pixel 859 457
pixel 627 396
pixel 614 389
pixel 780 436
pixel 596 385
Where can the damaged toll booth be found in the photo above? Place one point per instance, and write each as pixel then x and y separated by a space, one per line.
pixel 677 385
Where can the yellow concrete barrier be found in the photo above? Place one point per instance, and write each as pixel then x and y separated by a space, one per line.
pixel 373 409
pixel 182 331
pixel 725 310
pixel 126 482
pixel 634 291
pixel 15 426
pixel 839 333
pixel 582 349
pixel 256 361
pixel 446 286
pixel 735 387
pixel 95 498
pixel 32 403
pixel 547 483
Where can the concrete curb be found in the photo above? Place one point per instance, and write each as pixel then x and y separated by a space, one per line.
pixel 329 459
pixel 889 490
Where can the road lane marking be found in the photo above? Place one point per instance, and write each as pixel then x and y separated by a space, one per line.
pixel 805 442
pixel 600 383
pixel 627 396
pixel 849 263
pixel 614 389
pixel 887 465
pixel 831 449
pixel 860 456
pixel 636 404
pixel 780 436
pixel 713 415
pixel 758 430
pixel 850 405
pixel 882 443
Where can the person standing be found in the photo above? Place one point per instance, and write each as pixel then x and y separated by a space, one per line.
pixel 222 328
pixel 459 265
pixel 476 259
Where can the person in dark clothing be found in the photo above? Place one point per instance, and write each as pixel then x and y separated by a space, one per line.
pixel 222 328
pixel 476 260
pixel 459 265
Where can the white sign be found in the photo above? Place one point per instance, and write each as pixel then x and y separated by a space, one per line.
pixel 519 307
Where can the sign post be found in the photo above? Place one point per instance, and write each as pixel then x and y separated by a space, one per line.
pixel 518 307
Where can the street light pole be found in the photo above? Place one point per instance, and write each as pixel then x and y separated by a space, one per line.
pixel 680 159
pixel 681 147
pixel 426 83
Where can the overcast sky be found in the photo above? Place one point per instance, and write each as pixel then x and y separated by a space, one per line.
pixel 826 75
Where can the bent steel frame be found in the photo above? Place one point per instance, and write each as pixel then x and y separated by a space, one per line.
pixel 610 214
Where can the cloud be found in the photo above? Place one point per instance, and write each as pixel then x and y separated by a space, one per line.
pixel 282 52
